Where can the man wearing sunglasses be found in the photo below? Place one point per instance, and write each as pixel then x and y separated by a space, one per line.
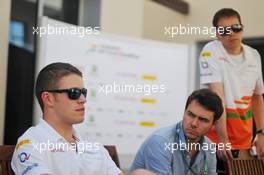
pixel 233 70
pixel 53 147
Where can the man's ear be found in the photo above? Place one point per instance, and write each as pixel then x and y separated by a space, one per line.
pixel 215 122
pixel 47 99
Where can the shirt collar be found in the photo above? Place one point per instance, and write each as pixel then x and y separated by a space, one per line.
pixel 181 138
pixel 53 134
pixel 244 49
pixel 181 133
pixel 201 154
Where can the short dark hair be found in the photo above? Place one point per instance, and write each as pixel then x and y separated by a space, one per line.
pixel 50 75
pixel 225 12
pixel 209 100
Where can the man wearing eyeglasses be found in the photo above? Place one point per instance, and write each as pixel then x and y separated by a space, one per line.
pixel 233 70
pixel 53 147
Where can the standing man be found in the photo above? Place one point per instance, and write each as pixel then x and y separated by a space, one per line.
pixel 233 70
pixel 53 147
pixel 182 148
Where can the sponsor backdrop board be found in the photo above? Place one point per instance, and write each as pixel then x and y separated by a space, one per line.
pixel 134 86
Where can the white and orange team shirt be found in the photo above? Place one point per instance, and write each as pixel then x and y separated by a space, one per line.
pixel 241 80
pixel 41 150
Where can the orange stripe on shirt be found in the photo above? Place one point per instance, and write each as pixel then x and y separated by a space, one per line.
pixel 239 133
pixel 246 98
pixel 241 102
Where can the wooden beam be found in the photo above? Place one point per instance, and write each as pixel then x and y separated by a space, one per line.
pixel 177 5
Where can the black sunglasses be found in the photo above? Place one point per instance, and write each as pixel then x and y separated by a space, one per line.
pixel 73 93
pixel 236 28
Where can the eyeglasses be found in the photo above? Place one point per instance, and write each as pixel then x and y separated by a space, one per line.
pixel 236 28
pixel 73 93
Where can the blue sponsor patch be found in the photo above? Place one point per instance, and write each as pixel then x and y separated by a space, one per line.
pixel 30 167
pixel 204 64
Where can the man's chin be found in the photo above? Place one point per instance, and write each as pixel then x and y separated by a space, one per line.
pixel 79 120
pixel 191 137
pixel 235 43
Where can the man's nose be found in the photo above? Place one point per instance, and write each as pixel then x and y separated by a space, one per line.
pixel 195 122
pixel 82 99
pixel 231 33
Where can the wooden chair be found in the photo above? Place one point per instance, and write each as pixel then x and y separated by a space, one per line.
pixel 6 152
pixel 245 165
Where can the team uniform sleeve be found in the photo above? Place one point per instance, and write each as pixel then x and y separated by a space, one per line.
pixel 28 160
pixel 259 89
pixel 111 168
pixel 209 69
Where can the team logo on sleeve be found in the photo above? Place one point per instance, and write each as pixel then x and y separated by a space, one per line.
pixel 207 54
pixel 204 64
pixel 23 142
pixel 23 157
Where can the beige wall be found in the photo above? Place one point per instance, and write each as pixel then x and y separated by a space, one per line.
pixel 123 17
pixel 4 23
pixel 156 17
pixel 147 19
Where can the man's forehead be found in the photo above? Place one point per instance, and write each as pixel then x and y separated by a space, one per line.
pixel 192 110
pixel 227 21
pixel 71 80
pixel 195 108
